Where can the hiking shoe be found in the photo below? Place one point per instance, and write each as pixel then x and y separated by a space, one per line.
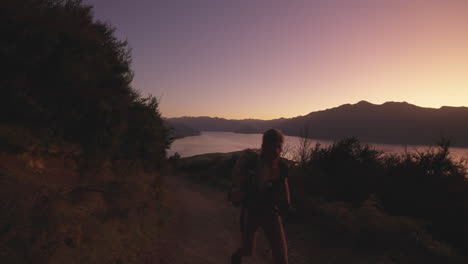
pixel 235 259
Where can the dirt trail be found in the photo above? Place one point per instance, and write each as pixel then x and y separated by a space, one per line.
pixel 203 227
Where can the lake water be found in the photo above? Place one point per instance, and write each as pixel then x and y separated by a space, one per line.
pixel 222 142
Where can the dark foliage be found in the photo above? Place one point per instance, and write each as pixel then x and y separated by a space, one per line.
pixel 429 185
pixel 347 162
pixel 69 77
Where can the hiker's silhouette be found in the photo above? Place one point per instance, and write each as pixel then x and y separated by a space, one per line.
pixel 260 188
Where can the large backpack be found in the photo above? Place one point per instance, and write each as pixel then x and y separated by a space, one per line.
pixel 250 188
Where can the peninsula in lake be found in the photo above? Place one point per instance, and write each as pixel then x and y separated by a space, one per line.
pixel 391 122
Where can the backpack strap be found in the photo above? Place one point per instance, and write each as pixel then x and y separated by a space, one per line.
pixel 284 169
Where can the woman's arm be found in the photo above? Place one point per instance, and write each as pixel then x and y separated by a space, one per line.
pixel 287 196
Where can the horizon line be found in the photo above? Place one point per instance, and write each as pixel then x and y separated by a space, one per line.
pixel 359 102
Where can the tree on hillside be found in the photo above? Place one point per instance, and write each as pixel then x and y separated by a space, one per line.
pixel 69 76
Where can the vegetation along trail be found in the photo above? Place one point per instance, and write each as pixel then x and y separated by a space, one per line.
pixel 202 227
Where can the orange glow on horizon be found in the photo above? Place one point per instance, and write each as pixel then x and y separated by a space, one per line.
pixel 297 63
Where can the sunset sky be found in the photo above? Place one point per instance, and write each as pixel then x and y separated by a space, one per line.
pixel 268 59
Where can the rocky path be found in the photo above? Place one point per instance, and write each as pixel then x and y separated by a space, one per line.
pixel 203 227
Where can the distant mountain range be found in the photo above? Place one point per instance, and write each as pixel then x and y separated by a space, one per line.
pixel 179 129
pixel 391 122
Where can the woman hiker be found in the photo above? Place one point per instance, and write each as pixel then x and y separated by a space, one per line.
pixel 260 188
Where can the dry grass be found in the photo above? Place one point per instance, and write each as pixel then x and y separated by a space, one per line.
pixel 52 213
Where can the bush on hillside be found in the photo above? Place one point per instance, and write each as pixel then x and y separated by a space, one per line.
pixel 427 185
pixel 68 77
pixel 74 136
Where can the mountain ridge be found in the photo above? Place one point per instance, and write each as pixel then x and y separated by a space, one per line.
pixel 390 122
pixel 343 105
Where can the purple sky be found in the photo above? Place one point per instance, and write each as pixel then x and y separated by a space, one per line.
pixel 270 59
